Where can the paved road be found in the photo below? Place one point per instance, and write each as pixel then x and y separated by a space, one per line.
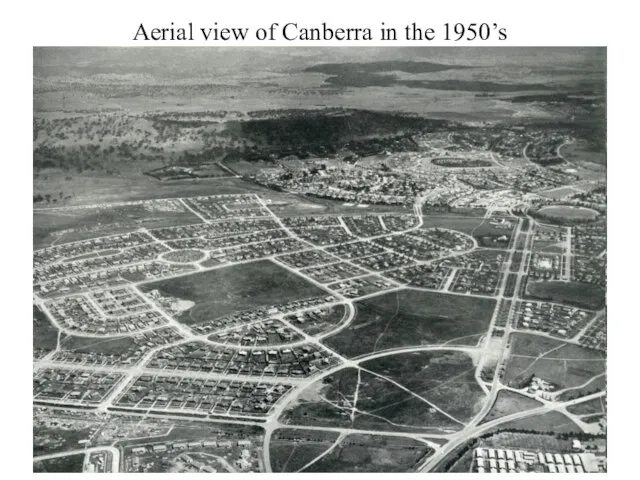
pixel 479 353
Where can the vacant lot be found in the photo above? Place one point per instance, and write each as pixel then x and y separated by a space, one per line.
pixel 67 464
pixel 444 378
pixel 72 224
pixel 509 402
pixel 552 422
pixel 370 453
pixel 292 449
pixel 411 317
pixel 454 222
pixel 384 406
pixel 597 405
pixel 325 402
pixel 45 334
pixel 225 290
pixel 106 346
pixel 583 295
pixel 564 365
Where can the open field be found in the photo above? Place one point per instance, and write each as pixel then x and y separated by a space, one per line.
pixel 66 464
pixel 368 453
pixel 595 385
pixel 564 365
pixel 72 224
pixel 325 402
pixel 583 295
pixel 597 405
pixel 444 378
pixel 384 406
pixel 460 223
pixel 292 449
pixel 509 402
pixel 411 317
pixel 225 290
pixel 106 346
pixel 568 212
pixel 45 335
pixel 580 154
pixel 551 422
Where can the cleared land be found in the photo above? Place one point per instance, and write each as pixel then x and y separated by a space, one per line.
pixel 369 453
pixel 292 449
pixel 325 402
pixel 564 365
pixel 583 295
pixel 445 379
pixel 72 224
pixel 225 290
pixel 551 422
pixel 597 405
pixel 45 335
pixel 66 464
pixel 411 317
pixel 509 402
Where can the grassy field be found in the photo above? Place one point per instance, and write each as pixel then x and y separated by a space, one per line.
pixel 106 346
pixel 595 385
pixel 444 378
pixel 384 406
pixel 325 402
pixel 72 224
pixel 554 422
pixel 568 212
pixel 528 441
pixel 583 295
pixel 225 290
pixel 509 402
pixel 67 464
pixel 369 453
pixel 292 449
pixel 45 335
pixel 597 405
pixel 564 365
pixel 453 222
pixel 411 317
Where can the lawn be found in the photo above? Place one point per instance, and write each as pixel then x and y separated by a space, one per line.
pixel 369 453
pixel 509 402
pixel 583 295
pixel 235 288
pixel 411 318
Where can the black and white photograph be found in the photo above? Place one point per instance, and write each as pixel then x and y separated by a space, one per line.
pixel 319 259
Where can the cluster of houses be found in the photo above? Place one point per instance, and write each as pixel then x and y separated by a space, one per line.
pixel 201 396
pixel 260 313
pixel 141 343
pixel 72 385
pixel 84 315
pixel 296 361
pixel 557 320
